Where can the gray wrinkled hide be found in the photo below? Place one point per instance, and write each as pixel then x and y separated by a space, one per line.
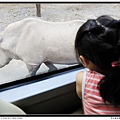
pixel 35 41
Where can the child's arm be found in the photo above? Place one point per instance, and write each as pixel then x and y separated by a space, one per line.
pixel 79 79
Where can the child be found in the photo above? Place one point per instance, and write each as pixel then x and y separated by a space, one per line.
pixel 97 45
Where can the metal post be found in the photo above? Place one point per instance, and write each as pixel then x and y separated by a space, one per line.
pixel 38 7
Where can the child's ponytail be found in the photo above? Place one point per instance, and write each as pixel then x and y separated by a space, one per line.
pixel 110 85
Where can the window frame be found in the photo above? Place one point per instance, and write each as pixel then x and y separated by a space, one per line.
pixel 48 98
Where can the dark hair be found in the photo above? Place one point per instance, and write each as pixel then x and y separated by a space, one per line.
pixel 98 40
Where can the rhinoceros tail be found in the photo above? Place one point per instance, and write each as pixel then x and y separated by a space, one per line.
pixel 1 36
pixel 1 39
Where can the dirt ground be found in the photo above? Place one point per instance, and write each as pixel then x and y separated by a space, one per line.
pixel 50 12
pixel 55 12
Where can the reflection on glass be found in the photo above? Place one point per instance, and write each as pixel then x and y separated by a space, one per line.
pixel 46 38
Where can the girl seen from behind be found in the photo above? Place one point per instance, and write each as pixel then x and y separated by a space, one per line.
pixel 97 46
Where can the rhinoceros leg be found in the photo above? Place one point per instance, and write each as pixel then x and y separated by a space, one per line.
pixel 50 66
pixel 32 69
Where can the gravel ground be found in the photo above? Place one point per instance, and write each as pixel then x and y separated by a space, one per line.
pixel 50 12
pixel 55 12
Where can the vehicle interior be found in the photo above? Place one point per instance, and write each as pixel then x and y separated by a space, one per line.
pixel 49 93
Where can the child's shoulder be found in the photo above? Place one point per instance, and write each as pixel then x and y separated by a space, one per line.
pixel 80 74
pixel 79 78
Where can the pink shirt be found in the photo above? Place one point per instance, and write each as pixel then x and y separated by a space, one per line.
pixel 92 101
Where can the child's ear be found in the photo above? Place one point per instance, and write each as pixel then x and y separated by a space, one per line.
pixel 84 61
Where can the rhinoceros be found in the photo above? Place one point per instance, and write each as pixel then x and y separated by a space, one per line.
pixel 35 41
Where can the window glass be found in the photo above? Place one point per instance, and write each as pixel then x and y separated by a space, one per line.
pixel 51 50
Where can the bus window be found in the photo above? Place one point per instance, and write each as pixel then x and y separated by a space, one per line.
pixel 56 29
